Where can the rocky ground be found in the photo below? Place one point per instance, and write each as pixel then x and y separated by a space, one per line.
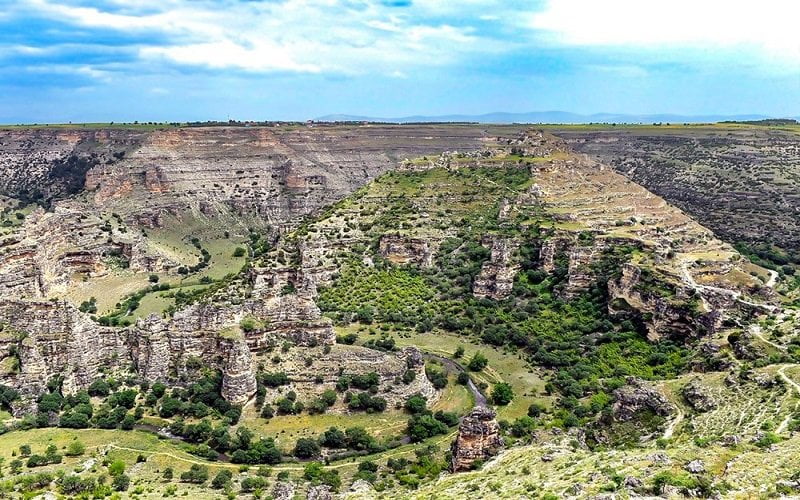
pixel 669 358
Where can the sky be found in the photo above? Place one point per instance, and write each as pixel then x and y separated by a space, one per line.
pixel 186 60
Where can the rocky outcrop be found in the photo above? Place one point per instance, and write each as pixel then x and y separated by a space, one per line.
pixel 697 396
pixel 637 396
pixel 402 250
pixel 478 439
pixel 238 376
pixel 52 250
pixel 667 315
pixel 321 492
pixel 53 339
pixel 283 491
pixel 496 278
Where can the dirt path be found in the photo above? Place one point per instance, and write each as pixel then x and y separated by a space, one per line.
pixel 480 399
pixel 782 374
pixel 670 430
pixel 755 330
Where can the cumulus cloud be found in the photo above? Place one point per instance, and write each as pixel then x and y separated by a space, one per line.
pixel 767 25
pixel 291 35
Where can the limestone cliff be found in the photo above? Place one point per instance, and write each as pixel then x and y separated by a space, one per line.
pixel 478 439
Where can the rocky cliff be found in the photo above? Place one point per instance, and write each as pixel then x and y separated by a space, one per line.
pixel 478 439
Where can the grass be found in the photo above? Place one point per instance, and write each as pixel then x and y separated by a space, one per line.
pixel 528 385
pixel 173 241
pixel 388 424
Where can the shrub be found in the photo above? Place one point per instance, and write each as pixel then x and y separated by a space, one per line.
pixel 333 438
pixel 116 468
pixel 421 427
pixel 306 448
pixel 416 404
pixel 222 479
pixel 197 474
pixel 502 394
pixel 121 482
pixel 251 483
pixel 478 362
pixel 75 449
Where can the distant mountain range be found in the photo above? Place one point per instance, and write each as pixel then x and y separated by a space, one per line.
pixel 552 117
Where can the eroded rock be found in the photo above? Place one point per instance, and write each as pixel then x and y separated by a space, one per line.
pixel 478 439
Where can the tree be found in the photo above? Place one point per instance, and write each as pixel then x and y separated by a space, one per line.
pixel 116 468
pixel 306 448
pixel 478 362
pixel 75 449
pixel 333 438
pixel 416 404
pixel 121 482
pixel 99 388
pixel 421 427
pixel 459 352
pixel 239 252
pixel 502 394
pixel 197 474
pixel 535 409
pixel 222 479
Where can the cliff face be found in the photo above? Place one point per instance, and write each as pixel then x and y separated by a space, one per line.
pixel 724 177
pixel 478 439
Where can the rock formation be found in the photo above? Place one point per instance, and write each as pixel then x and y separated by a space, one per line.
pixel 698 397
pixel 496 278
pixel 637 396
pixel 478 439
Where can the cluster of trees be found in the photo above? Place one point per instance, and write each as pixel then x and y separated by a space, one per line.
pixel 423 423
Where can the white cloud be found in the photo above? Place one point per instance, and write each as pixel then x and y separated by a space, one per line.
pixel 769 26
pixel 290 35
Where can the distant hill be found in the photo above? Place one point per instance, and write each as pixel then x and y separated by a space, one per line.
pixel 549 117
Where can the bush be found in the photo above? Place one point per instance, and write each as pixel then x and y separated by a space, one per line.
pixel 535 409
pixel 502 394
pixel 251 483
pixel 75 449
pixel 222 479
pixel 121 482
pixel 478 362
pixel 197 474
pixel 421 427
pixel 333 438
pixel 274 379
pixel 239 252
pixel 437 378
pixel 306 448
pixel 116 468
pixel 73 484
pixel 416 404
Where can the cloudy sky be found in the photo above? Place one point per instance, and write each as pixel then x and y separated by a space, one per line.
pixel 103 60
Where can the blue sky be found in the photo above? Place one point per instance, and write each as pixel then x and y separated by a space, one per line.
pixel 124 60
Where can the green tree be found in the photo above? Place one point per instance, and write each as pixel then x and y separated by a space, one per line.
pixel 306 448
pixel 222 479
pixel 502 394
pixel 478 362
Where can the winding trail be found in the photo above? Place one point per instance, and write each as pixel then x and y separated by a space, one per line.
pixel 782 374
pixel 480 399
pixel 755 330
pixel 670 430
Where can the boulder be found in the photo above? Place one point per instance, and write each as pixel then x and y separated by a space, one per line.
pixel 697 396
